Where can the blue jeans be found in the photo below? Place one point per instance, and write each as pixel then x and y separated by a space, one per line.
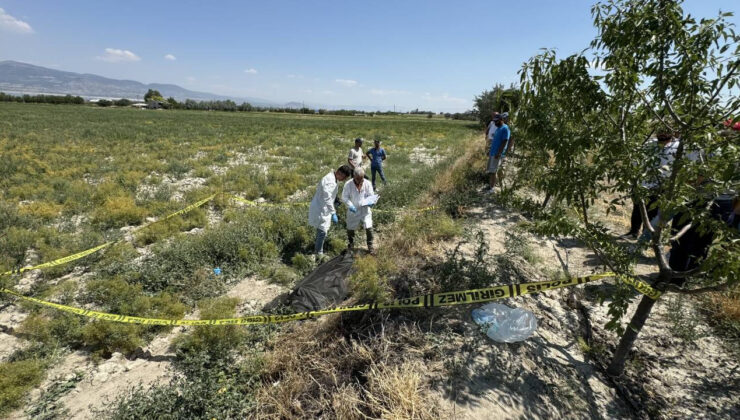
pixel 378 170
pixel 319 244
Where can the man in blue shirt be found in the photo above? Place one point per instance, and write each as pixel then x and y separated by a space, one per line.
pixel 498 150
pixel 377 156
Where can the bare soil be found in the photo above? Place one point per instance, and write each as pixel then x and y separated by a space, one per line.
pixel 557 374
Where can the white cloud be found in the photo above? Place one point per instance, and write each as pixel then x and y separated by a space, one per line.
pixel 250 71
pixel 346 82
pixel 115 55
pixel 444 98
pixel 170 57
pixel 385 92
pixel 190 79
pixel 11 24
pixel 327 92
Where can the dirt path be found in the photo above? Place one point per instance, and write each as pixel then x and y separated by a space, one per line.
pixel 102 382
pixel 555 374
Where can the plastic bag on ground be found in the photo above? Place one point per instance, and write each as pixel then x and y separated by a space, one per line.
pixel 505 324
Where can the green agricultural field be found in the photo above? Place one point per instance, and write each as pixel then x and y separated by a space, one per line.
pixel 73 177
pixel 85 172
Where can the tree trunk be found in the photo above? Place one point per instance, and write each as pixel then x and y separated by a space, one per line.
pixel 641 315
pixel 547 200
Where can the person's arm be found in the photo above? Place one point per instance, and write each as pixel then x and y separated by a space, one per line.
pixel 510 148
pixel 327 196
pixel 349 159
pixel 383 155
pixel 345 195
pixel 369 155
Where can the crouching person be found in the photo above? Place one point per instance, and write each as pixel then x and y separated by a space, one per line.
pixel 358 216
pixel 321 213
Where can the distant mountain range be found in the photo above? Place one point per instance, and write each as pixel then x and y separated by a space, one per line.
pixel 16 77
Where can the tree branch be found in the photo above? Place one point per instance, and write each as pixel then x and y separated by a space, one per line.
pixel 681 232
pixel 655 113
pixel 721 86
pixel 645 217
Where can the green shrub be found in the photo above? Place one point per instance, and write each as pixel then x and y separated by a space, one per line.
pixel 117 259
pixel 207 389
pixel 14 244
pixel 16 380
pixel 106 337
pixel 217 341
pixel 302 263
pixel 54 328
pixel 416 230
pixel 42 210
pixel 369 279
pixel 117 212
pixel 282 275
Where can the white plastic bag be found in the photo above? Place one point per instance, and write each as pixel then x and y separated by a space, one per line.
pixel 505 324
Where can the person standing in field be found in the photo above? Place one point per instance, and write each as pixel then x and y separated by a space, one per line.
pixel 377 155
pixel 321 213
pixel 358 216
pixel 497 150
pixel 354 159
pixel 662 153
pixel 490 130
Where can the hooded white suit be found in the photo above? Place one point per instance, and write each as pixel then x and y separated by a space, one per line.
pixel 322 204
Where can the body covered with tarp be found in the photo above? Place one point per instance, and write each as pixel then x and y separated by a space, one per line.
pixel 324 287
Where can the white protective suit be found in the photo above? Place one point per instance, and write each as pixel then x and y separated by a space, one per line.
pixel 351 195
pixel 322 204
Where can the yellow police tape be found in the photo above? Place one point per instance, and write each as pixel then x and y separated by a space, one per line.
pixel 641 287
pixel 425 301
pixel 59 261
pixel 85 253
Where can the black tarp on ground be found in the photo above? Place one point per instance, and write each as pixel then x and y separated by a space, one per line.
pixel 325 286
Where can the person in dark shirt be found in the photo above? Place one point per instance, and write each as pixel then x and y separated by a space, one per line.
pixel 377 155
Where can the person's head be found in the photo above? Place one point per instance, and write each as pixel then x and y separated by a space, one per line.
pixel 505 117
pixel 663 136
pixel 358 142
pixel 359 175
pixel 343 172
pixel 376 142
pixel 498 120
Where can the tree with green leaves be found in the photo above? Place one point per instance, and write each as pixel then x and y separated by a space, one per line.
pixel 585 123
pixel 497 99
pixel 153 95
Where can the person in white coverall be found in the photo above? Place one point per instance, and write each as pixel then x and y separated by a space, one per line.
pixel 358 216
pixel 321 213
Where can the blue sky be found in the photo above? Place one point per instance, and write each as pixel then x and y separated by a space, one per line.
pixel 432 55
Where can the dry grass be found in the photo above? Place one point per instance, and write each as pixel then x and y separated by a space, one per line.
pixel 727 306
pixel 315 371
pixel 397 392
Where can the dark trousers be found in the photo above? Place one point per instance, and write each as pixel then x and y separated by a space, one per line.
pixel 351 238
pixel 636 219
pixel 693 246
pixel 379 171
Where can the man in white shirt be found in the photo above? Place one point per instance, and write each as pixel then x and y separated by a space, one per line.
pixel 662 153
pixel 355 191
pixel 354 159
pixel 491 130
